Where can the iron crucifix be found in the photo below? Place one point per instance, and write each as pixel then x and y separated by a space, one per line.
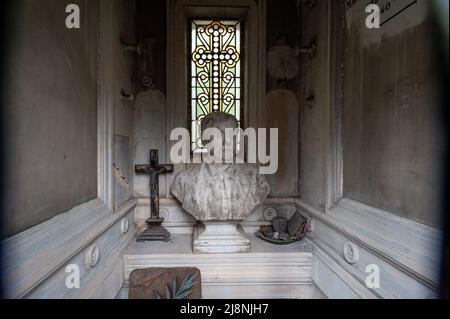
pixel 155 231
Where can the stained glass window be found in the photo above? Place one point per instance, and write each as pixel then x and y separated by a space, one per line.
pixel 215 72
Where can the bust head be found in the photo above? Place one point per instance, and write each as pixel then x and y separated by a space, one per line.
pixel 221 121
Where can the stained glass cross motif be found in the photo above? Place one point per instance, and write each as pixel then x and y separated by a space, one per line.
pixel 215 71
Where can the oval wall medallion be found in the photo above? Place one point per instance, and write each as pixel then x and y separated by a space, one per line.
pixel 270 213
pixel 164 213
pixel 92 256
pixel 351 253
pixel 124 226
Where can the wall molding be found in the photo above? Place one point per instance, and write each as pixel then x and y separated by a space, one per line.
pixel 409 251
pixel 106 280
pixel 37 254
pixel 410 247
pixel 331 276
pixel 253 275
pixel 105 99
pixel 334 151
pixel 44 249
pixel 298 266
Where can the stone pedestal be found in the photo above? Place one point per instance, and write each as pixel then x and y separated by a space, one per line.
pixel 220 238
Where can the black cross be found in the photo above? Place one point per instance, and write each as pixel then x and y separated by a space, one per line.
pixel 155 230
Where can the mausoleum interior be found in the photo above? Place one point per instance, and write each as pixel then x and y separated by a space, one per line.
pixel 104 108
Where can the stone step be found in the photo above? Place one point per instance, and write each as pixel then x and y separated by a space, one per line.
pixel 268 271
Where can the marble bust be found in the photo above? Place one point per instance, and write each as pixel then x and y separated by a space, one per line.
pixel 220 195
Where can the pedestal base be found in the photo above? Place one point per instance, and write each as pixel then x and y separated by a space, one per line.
pixel 154 232
pixel 220 238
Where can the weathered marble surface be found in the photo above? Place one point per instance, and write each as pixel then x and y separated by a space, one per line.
pixel 220 196
pixel 219 192
pixel 269 271
pixel 282 112
pixel 282 62
pixel 149 133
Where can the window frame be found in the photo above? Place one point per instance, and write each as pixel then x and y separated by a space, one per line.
pixel 179 12
pixel 243 60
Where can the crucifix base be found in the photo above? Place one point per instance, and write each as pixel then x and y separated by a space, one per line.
pixel 154 232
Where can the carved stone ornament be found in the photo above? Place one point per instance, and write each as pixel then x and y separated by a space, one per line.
pixel 164 213
pixel 351 253
pixel 124 226
pixel 92 256
pixel 270 213
pixel 282 61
